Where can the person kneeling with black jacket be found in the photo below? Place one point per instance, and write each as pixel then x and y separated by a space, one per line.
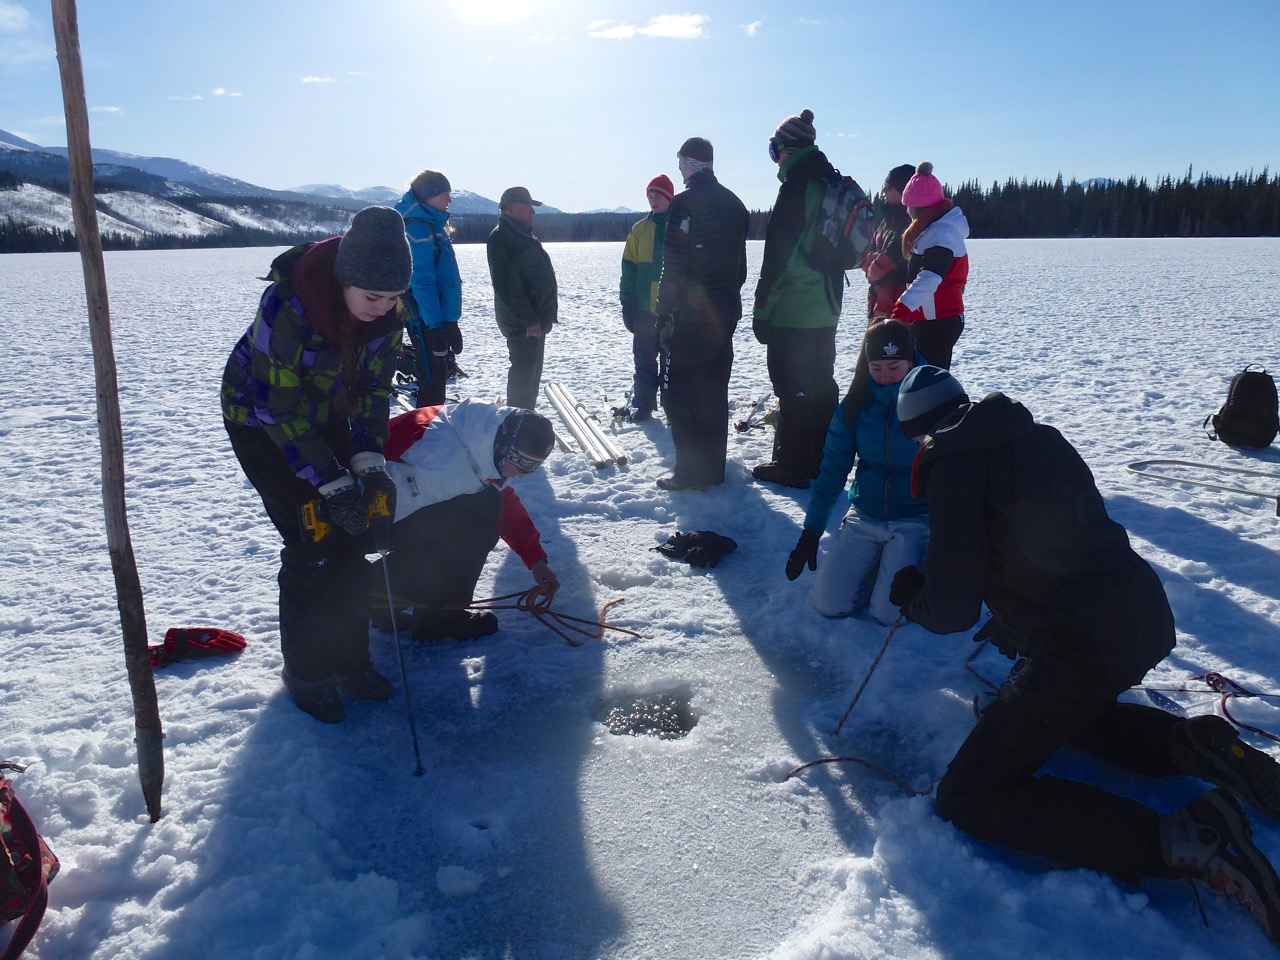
pixel 1017 522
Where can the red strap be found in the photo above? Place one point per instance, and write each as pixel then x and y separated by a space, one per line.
pixel 29 872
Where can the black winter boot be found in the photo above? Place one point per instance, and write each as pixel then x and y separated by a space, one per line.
pixel 320 698
pixel 1207 747
pixel 430 625
pixel 366 684
pixel 1210 840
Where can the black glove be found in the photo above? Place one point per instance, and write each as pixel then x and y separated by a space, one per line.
pixel 453 333
pixel 1001 637
pixel 629 316
pixel 760 327
pixel 907 582
pixel 379 505
pixel 347 510
pixel 806 551
pixel 439 341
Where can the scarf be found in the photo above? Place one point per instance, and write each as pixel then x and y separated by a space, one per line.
pixel 930 214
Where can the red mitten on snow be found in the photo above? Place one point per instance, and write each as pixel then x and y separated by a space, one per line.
pixel 188 643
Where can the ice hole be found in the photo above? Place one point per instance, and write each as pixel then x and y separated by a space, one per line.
pixel 665 714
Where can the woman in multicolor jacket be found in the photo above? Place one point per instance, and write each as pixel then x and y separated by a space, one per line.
pixel 937 268
pixel 305 401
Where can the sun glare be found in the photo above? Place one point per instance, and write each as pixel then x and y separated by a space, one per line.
pixel 492 11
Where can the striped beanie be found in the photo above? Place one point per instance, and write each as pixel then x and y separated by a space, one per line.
pixel 661 184
pixel 797 130
pixel 927 394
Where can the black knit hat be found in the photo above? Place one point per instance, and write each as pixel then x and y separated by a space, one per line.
pixel 797 131
pixel 428 184
pixel 374 252
pixel 889 340
pixel 899 176
pixel 535 435
pixel 697 148
pixel 927 394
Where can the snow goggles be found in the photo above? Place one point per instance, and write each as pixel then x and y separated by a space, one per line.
pixel 522 462
pixel 776 146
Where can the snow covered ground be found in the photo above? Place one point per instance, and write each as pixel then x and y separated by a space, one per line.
pixel 536 833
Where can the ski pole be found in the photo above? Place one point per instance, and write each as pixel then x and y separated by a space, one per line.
pixel 874 663
pixel 381 508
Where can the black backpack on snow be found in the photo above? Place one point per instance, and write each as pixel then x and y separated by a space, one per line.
pixel 1251 415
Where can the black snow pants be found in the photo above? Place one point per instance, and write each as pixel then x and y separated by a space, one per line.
pixel 324 587
pixel 991 790
pixel 802 370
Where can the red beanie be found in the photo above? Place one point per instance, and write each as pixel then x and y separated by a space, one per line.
pixel 661 184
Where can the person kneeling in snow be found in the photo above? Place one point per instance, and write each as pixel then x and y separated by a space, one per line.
pixel 1017 522
pixel 451 464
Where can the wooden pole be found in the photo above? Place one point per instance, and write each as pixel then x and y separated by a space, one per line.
pixel 133 621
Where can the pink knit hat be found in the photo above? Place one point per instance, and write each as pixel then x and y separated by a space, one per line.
pixel 661 184
pixel 922 190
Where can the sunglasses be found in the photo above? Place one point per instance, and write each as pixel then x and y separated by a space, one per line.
pixel 522 462
pixel 776 146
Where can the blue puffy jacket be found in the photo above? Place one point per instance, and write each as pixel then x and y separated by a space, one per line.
pixel 436 285
pixel 881 486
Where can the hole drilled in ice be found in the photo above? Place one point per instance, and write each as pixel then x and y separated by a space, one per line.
pixel 665 714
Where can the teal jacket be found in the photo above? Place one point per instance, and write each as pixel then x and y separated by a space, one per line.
pixel 882 482
pixel 524 282
pixel 436 284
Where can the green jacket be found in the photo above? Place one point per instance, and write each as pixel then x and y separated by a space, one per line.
pixel 524 282
pixel 642 264
pixel 791 293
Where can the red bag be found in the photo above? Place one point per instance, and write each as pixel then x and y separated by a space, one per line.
pixel 26 867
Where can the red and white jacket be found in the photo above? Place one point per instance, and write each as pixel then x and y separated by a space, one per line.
pixel 437 453
pixel 938 266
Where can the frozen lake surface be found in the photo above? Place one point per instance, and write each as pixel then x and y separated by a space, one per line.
pixel 536 833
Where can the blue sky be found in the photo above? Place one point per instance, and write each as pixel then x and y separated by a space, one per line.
pixel 583 101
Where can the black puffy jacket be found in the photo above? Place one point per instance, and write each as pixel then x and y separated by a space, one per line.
pixel 1017 521
pixel 704 256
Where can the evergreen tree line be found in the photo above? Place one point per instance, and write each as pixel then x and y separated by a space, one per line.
pixel 1245 205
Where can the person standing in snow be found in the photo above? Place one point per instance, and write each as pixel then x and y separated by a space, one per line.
pixel 886 527
pixel 1018 524
pixel 434 302
pixel 638 291
pixel 884 263
pixel 451 465
pixel 525 298
pixel 704 265
pixel 797 307
pixel 305 401
pixel 937 268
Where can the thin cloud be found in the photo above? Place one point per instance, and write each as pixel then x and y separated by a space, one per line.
pixel 106 110
pixel 18 50
pixel 668 26
pixel 318 80
pixel 13 18
pixel 751 29
pixel 193 97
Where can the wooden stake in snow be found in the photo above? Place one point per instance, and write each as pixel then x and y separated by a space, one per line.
pixel 133 622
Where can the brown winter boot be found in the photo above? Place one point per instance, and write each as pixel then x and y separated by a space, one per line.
pixel 1210 840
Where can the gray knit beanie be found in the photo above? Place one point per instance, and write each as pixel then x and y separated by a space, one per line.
pixel 374 252
pixel 927 394
pixel 428 184
pixel 798 131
